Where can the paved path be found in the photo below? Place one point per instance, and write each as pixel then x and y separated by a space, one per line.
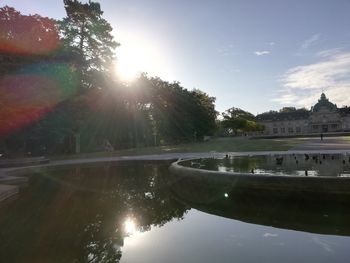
pixel 313 145
pixel 328 143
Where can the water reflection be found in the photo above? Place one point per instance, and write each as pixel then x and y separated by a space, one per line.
pixel 96 214
pixel 291 164
pixel 83 215
pixel 315 213
pixel 130 226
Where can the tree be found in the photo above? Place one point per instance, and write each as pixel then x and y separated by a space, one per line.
pixel 35 77
pixel 180 115
pixel 288 109
pixel 87 34
pixel 90 36
pixel 234 113
pixel 74 96
pixel 239 120
pixel 203 113
pixel 27 35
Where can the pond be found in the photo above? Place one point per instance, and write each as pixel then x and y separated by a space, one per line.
pixel 289 164
pixel 139 212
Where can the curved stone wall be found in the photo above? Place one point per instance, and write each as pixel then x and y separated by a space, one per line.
pixel 334 185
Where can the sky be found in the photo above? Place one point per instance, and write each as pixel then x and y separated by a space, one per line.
pixel 252 54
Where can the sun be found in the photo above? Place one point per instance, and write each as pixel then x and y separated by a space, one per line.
pixel 132 60
pixel 130 226
pixel 128 65
pixel 138 55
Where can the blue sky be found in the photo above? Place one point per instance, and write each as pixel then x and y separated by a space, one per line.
pixel 256 55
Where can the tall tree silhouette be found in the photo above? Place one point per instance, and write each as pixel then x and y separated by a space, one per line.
pixel 90 36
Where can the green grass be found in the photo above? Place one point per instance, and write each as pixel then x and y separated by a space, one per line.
pixel 346 138
pixel 216 145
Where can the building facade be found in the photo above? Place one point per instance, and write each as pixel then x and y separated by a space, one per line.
pixel 324 117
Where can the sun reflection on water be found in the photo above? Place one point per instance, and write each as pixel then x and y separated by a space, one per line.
pixel 130 226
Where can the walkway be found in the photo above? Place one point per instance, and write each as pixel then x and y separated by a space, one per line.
pixel 328 143
pixel 15 176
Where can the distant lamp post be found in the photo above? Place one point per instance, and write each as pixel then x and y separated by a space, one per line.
pixel 77 142
pixel 155 138
pixel 77 136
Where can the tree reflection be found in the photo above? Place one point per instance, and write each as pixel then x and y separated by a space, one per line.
pixel 78 215
pixel 322 213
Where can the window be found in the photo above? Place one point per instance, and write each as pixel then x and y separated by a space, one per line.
pixel 298 130
pixel 275 130
pixel 290 130
pixel 283 130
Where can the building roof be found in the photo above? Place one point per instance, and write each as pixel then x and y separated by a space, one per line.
pixel 300 114
pixel 303 114
pixel 323 102
pixel 344 111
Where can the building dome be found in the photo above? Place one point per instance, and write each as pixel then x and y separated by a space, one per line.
pixel 323 102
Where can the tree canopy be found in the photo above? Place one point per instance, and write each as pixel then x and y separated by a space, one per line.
pixel 236 120
pixel 58 95
pixel 87 33
pixel 26 34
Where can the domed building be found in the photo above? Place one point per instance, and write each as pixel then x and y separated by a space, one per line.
pixel 324 117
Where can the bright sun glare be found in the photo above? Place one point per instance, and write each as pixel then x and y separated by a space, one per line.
pixel 130 226
pixel 136 55
pixel 129 65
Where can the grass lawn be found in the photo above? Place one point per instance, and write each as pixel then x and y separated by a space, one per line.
pixel 215 145
pixel 346 138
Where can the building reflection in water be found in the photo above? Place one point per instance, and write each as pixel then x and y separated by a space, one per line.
pixel 291 164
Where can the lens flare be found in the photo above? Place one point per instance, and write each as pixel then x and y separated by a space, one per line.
pixel 22 34
pixel 32 92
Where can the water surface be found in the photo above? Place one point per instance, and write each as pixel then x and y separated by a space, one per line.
pixel 289 164
pixel 141 213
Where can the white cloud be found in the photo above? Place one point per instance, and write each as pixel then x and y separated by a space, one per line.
pixel 270 235
pixel 310 41
pixel 330 52
pixel 302 85
pixel 286 99
pixel 261 53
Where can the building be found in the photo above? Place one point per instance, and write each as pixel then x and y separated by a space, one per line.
pixel 324 117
